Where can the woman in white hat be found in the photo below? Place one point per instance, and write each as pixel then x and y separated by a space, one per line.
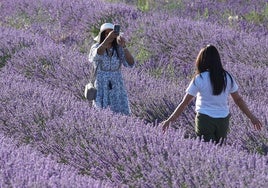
pixel 107 56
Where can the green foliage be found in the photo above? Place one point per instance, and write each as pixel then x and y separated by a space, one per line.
pixel 4 59
pixel 202 14
pixel 174 5
pixel 206 13
pixel 183 185
pixel 63 160
pixel 157 72
pixel 19 21
pixel 143 55
pixel 143 5
pixel 257 17
pixel 109 175
pixel 27 139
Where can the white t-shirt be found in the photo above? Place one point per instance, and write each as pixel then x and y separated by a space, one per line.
pixel 215 106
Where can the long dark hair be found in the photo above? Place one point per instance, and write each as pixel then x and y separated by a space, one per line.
pixel 209 60
pixel 114 43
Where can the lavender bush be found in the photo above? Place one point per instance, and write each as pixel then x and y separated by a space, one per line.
pixel 53 64
pixel 11 42
pixel 175 43
pixel 25 167
pixel 241 15
pixel 69 22
pixel 116 148
pixel 101 148
pixel 44 68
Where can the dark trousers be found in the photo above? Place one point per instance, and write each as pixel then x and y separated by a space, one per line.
pixel 211 129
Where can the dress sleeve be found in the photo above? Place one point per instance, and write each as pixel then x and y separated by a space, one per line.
pixel 93 55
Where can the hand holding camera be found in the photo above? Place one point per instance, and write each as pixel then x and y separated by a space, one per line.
pixel 113 33
pixel 121 41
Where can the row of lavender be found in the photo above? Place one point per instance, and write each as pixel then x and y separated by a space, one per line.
pixel 169 48
pixel 40 115
pixel 250 16
pixel 25 167
pixel 56 74
pixel 72 23
pixel 151 99
pixel 113 148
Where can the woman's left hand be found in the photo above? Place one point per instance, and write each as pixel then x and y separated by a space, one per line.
pixel 121 41
pixel 256 123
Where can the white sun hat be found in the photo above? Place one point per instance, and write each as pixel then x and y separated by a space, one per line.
pixel 103 27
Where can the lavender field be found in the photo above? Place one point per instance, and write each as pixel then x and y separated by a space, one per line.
pixel 50 136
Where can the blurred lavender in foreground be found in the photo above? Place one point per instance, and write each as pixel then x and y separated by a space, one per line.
pixel 118 148
pixel 24 167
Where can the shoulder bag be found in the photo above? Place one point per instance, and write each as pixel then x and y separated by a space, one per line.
pixel 90 89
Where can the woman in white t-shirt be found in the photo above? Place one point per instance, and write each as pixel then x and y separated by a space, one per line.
pixel 211 86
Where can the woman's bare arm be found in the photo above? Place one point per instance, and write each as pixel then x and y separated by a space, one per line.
pixel 244 108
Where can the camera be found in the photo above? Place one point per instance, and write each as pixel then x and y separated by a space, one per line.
pixel 117 29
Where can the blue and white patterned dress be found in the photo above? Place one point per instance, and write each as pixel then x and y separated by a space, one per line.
pixel 111 91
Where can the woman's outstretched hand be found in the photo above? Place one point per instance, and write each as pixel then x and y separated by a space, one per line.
pixel 256 123
pixel 165 125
